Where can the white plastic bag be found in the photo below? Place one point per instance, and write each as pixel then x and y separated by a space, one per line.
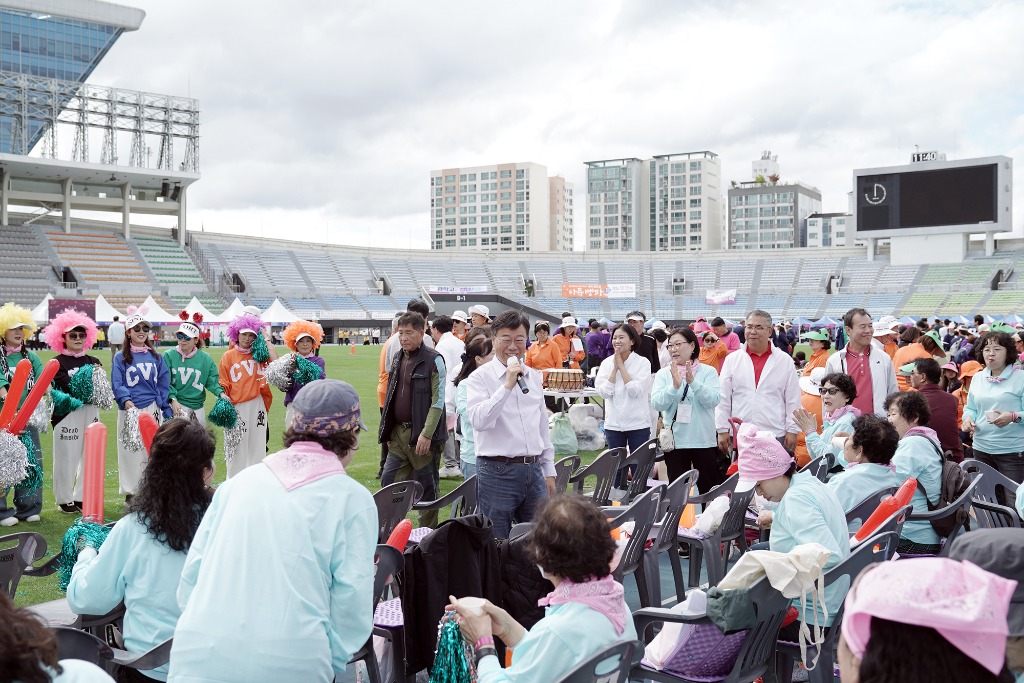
pixel 709 520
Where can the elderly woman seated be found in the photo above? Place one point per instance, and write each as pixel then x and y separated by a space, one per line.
pixel 837 393
pixel 572 546
pixel 869 451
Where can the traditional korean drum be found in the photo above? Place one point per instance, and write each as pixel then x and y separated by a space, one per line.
pixel 565 380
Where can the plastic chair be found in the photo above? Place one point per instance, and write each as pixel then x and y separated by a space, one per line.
pixel 715 549
pixel 996 487
pixel 591 670
pixel 462 499
pixel 878 548
pixel 818 467
pixel 75 644
pixel 756 654
pixel 642 460
pixel 995 516
pixel 674 500
pixel 389 562
pixel 563 471
pixel 957 509
pixel 520 529
pixel 642 513
pixel 603 469
pixel 393 505
pixel 862 510
pixel 17 552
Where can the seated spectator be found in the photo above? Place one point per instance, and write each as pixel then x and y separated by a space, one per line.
pixel 926 620
pixel 868 453
pixel 837 394
pixel 140 562
pixel 918 456
pixel 572 545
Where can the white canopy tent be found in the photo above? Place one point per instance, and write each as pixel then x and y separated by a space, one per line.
pixel 233 311
pixel 155 314
pixel 105 312
pixel 41 313
pixel 277 314
pixel 196 306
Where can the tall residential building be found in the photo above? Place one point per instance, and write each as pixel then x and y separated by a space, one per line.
pixel 829 230
pixel 770 216
pixel 502 207
pixel 670 202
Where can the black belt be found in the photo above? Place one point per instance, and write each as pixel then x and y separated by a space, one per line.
pixel 519 460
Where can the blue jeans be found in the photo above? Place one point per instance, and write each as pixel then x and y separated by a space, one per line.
pixel 508 493
pixel 468 468
pixel 632 440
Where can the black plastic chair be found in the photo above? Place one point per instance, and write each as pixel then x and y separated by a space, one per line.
pixel 642 462
pixel 595 669
pixel 714 550
pixel 18 552
pixel 393 505
pixel 862 510
pixel 564 469
pixel 756 654
pixel 643 513
pixel 389 561
pixel 75 644
pixel 673 503
pixel 958 510
pixel 603 470
pixel 520 529
pixel 877 548
pixel 994 516
pixel 462 499
pixel 819 467
pixel 996 487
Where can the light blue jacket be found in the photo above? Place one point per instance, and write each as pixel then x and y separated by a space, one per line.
pixel 467 449
pixel 858 481
pixel 134 567
pixel 78 671
pixel 1006 395
pixel 703 396
pixel 916 457
pixel 820 444
pixel 811 513
pixel 1020 500
pixel 568 634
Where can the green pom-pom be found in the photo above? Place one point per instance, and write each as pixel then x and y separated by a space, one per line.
pixel 65 404
pixel 454 656
pixel 305 370
pixel 80 534
pixel 260 354
pixel 223 413
pixel 81 384
pixel 34 477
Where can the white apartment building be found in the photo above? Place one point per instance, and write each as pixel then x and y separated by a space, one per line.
pixel 670 202
pixel 767 214
pixel 501 207
pixel 829 229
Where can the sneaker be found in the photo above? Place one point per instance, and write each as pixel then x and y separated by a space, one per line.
pixel 32 518
pixel 450 473
pixel 8 521
pixel 69 508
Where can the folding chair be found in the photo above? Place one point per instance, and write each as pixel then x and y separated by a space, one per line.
pixel 862 510
pixel 603 470
pixel 642 460
pixel 594 669
pixel 18 552
pixel 563 471
pixel 393 505
pixel 642 513
pixel 673 502
pixel 462 499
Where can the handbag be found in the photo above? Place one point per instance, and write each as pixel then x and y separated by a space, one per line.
pixel 666 439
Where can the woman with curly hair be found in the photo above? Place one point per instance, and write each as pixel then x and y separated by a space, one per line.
pixel 241 373
pixel 141 560
pixel 71 334
pixel 28 651
pixel 16 325
pixel 303 338
pixel 193 373
pixel 572 545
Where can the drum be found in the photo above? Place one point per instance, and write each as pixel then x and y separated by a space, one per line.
pixel 565 380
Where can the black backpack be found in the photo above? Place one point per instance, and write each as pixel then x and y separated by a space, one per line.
pixel 952 485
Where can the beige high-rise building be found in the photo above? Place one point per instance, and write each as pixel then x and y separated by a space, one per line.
pixel 502 207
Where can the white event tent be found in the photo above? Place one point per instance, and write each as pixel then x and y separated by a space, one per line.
pixel 277 314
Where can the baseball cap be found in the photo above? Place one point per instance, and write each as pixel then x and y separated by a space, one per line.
pixel 636 315
pixel 1000 551
pixel 815 334
pixel 936 338
pixel 189 329
pixel 324 407
pixel 134 320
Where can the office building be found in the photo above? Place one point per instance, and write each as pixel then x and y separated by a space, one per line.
pixel 765 213
pixel 829 230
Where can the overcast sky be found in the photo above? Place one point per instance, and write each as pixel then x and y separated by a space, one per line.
pixel 322 119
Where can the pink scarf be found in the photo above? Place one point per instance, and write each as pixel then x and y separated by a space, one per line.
pixel 926 432
pixel 604 595
pixel 65 352
pixel 139 349
pixel 302 463
pixel 843 411
pixel 247 351
pixel 11 351
pixel 185 356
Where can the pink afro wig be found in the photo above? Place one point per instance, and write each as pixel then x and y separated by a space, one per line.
pixel 292 333
pixel 69 319
pixel 246 321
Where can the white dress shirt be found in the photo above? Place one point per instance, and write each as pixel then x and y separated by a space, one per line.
pixel 507 422
pixel 769 404
pixel 626 406
pixel 451 349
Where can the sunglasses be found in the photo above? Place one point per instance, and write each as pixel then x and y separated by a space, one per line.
pixel 141 328
pixel 831 391
pixel 182 336
pixel 76 335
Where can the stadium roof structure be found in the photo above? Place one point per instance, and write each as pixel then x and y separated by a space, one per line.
pixel 92 11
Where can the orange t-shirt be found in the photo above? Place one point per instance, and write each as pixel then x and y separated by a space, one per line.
pixel 714 356
pixel 811 404
pixel 907 354
pixel 565 347
pixel 891 348
pixel 542 357
pixel 817 360
pixel 242 378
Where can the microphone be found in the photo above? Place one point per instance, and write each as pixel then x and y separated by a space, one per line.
pixel 520 380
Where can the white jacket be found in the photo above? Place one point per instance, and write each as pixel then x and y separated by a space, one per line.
pixel 627 406
pixel 883 375
pixel 770 404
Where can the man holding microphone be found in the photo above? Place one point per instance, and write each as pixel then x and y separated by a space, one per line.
pixel 505 405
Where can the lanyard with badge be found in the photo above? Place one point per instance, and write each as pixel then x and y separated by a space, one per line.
pixel 684 411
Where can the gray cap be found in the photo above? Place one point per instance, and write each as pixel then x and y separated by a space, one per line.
pixel 1000 552
pixel 324 407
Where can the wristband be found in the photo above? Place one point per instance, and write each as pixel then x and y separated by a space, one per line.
pixel 483 652
pixel 482 642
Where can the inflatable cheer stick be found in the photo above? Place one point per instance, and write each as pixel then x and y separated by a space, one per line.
pixel 95 472
pixel 885 510
pixel 147 429
pixel 399 538
pixel 15 390
pixel 41 386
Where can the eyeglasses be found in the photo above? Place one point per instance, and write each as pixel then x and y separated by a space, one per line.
pixel 510 340
pixel 678 345
pixel 141 328
pixel 755 328
pixel 831 391
pixel 76 335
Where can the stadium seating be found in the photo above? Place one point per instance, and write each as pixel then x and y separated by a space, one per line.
pixel 99 258
pixel 26 273
pixel 169 262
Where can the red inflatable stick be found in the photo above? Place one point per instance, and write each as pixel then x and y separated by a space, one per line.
pixel 15 390
pixel 399 538
pixel 95 472
pixel 41 386
pixel 885 510
pixel 147 428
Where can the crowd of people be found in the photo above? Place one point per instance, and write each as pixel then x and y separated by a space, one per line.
pixel 270 576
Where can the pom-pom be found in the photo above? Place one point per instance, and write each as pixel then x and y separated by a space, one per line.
pixel 64 404
pixel 40 420
pixel 34 468
pixel 13 460
pixel 81 386
pixel 197 317
pixel 280 372
pixel 223 413
pixel 183 315
pixel 453 659
pixel 78 536
pixel 130 437
pixel 260 354
pixel 399 538
pixel 232 440
pixel 305 371
pixel 102 392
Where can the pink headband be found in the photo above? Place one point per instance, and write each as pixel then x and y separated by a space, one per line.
pixel 964 603
pixel 761 456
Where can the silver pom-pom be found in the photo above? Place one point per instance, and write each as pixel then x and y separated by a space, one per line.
pixel 280 372
pixel 40 420
pixel 130 436
pixel 102 392
pixel 13 460
pixel 232 440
